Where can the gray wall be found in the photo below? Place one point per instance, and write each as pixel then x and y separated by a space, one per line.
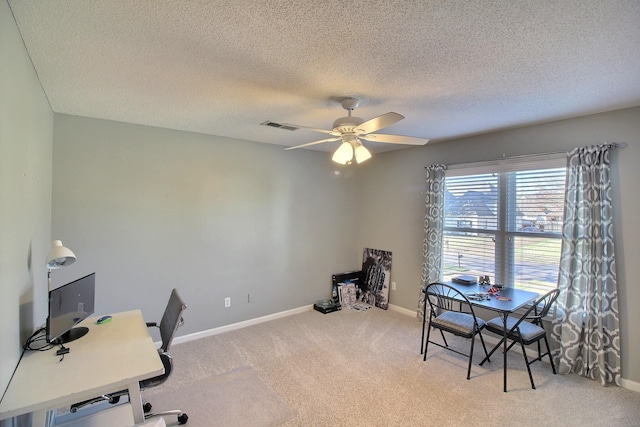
pixel 396 180
pixel 26 123
pixel 149 209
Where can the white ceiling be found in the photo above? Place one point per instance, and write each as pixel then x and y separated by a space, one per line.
pixel 452 68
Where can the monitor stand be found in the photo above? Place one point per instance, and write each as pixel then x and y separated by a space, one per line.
pixel 73 334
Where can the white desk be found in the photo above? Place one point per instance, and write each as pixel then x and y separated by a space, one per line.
pixel 111 357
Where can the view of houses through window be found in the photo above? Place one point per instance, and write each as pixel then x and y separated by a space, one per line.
pixel 505 224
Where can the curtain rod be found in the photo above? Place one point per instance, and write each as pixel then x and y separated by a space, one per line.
pixel 523 156
pixel 609 144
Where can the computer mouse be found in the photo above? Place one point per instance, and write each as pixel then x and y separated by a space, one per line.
pixel 103 319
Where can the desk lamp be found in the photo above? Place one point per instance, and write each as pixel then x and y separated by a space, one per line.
pixel 58 257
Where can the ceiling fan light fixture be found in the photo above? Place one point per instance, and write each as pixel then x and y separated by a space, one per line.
pixel 343 154
pixel 352 129
pixel 362 153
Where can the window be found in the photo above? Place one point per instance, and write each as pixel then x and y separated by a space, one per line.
pixel 504 220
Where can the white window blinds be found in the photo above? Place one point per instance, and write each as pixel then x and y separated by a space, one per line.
pixel 504 219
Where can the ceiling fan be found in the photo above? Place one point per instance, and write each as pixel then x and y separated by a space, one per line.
pixel 352 130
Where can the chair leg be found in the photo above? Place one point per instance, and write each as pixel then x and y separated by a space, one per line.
pixel 473 340
pixel 526 361
pixel 426 343
pixel 485 348
pixel 443 338
pixel 497 346
pixel 553 366
pixel 424 322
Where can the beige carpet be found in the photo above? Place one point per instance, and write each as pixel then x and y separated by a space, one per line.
pixel 365 369
pixel 236 398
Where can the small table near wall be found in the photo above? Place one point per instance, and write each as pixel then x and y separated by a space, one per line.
pixel 113 356
pixel 513 300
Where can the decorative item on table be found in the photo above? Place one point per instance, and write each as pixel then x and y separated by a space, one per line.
pixel 465 280
pixel 493 290
pixel 477 296
pixel 484 280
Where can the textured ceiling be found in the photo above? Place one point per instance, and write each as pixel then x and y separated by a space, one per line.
pixel 452 68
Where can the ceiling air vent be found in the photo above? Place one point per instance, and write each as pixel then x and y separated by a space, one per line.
pixel 278 125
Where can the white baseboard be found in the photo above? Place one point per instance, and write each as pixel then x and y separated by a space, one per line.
pixel 240 325
pixel 631 385
pixel 412 313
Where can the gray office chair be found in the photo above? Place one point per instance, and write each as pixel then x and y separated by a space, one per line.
pixel 526 330
pixel 451 311
pixel 171 321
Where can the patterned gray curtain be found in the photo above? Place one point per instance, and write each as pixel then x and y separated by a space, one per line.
pixel 433 230
pixel 588 328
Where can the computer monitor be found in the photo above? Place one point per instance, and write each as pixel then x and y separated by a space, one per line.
pixel 69 305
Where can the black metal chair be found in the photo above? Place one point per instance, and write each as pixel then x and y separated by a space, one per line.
pixel 526 330
pixel 169 324
pixel 451 311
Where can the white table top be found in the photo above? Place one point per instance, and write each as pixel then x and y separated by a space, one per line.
pixel 109 358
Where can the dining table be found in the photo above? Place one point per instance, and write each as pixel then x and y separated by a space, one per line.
pixel 506 301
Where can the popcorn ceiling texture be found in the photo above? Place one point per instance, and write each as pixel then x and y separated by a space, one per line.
pixel 453 68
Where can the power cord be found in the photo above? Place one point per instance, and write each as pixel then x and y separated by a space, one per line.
pixel 36 337
pixel 33 343
pixel 62 351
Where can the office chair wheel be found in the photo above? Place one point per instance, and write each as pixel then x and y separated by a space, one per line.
pixel 182 419
pixel 147 407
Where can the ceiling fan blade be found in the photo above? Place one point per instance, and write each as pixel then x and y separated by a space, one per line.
pixel 313 143
pixel 394 139
pixel 379 122
pixel 309 128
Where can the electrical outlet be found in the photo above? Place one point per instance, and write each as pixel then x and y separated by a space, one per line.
pixel 227 302
pixel 249 298
pixel 393 286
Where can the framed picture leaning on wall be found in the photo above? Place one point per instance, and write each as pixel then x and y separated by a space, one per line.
pixel 376 276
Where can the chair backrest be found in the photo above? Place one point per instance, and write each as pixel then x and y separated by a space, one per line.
pixel 171 319
pixel 540 309
pixel 443 297
pixel 542 305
